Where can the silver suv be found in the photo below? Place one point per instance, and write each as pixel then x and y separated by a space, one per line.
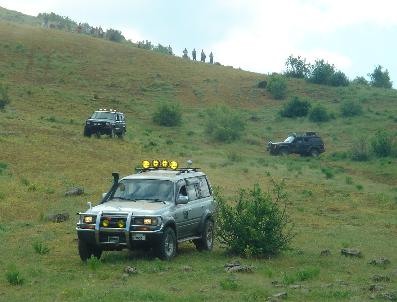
pixel 158 207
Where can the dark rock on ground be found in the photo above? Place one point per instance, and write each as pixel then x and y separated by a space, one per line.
pixel 130 270
pixel 391 296
pixel 325 252
pixel 380 278
pixel 60 217
pixel 75 192
pixel 236 267
pixel 379 261
pixel 376 288
pixel 187 268
pixel 281 295
pixel 351 252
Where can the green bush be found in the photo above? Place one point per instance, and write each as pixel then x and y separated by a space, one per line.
pixel 277 86
pixel 224 124
pixel 338 79
pixel 14 278
pixel 168 114
pixel 321 72
pixel 114 35
pixel 383 144
pixel 351 108
pixel 256 223
pixel 40 248
pixel 360 149
pixel 319 114
pixel 360 81
pixel 4 98
pixel 296 67
pixel 295 108
pixel 380 78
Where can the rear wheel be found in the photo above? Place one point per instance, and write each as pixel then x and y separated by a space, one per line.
pixel 283 152
pixel 206 242
pixel 87 133
pixel 86 251
pixel 168 245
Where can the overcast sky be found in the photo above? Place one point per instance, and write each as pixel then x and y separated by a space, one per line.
pixel 256 35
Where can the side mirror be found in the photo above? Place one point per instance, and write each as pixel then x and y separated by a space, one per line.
pixel 103 195
pixel 182 199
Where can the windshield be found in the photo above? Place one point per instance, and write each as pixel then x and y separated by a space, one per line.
pixel 289 139
pixel 103 115
pixel 145 189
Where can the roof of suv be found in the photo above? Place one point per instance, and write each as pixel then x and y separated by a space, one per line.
pixel 173 175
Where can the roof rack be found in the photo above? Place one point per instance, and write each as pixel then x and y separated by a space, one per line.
pixel 180 170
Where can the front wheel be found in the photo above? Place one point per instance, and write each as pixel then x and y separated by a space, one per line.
pixel 283 152
pixel 314 153
pixel 112 133
pixel 206 242
pixel 86 251
pixel 168 245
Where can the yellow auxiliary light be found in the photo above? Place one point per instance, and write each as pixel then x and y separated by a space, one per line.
pixel 155 163
pixel 105 223
pixel 164 163
pixel 173 165
pixel 147 221
pixel 121 224
pixel 145 164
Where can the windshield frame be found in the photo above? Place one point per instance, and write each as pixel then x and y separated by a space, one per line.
pixel 98 115
pixel 172 186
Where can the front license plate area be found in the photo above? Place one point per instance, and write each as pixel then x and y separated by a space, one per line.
pixel 138 237
pixel 114 239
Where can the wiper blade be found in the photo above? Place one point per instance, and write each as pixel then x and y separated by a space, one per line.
pixel 123 198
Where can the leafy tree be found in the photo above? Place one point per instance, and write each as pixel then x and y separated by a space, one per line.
pixel 277 86
pixel 351 108
pixel 360 149
pixel 383 143
pixel 321 72
pixel 338 79
pixel 380 78
pixel 295 108
pixel 296 67
pixel 256 223
pixel 224 124
pixel 114 35
pixel 360 81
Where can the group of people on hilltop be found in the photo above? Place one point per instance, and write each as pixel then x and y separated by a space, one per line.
pixel 194 55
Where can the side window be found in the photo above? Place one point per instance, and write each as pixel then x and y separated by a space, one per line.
pixel 193 189
pixel 204 188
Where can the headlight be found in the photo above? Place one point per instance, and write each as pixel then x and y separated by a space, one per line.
pixel 87 122
pixel 89 219
pixel 147 221
pixel 107 124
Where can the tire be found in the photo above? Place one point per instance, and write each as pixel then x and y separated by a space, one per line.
pixel 206 243
pixel 120 135
pixel 86 251
pixel 314 153
pixel 168 245
pixel 97 135
pixel 283 152
pixel 87 133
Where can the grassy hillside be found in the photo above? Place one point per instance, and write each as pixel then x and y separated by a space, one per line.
pixel 17 17
pixel 57 79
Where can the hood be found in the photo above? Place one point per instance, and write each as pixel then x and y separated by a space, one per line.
pixel 102 120
pixel 138 207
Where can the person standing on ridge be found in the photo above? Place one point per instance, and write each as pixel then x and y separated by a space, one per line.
pixel 211 58
pixel 185 54
pixel 203 56
pixel 194 54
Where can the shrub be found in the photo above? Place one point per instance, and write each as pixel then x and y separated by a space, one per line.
pixel 351 108
pixel 168 114
pixel 40 248
pixel 224 124
pixel 256 223
pixel 94 263
pixel 328 172
pixel 296 67
pixel 295 108
pixel 321 72
pixel 114 35
pixel 338 79
pixel 14 278
pixel 262 84
pixel 228 284
pixel 4 98
pixel 319 114
pixel 360 149
pixel 382 144
pixel 277 86
pixel 360 81
pixel 380 78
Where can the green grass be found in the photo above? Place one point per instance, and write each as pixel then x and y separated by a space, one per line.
pixel 53 77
